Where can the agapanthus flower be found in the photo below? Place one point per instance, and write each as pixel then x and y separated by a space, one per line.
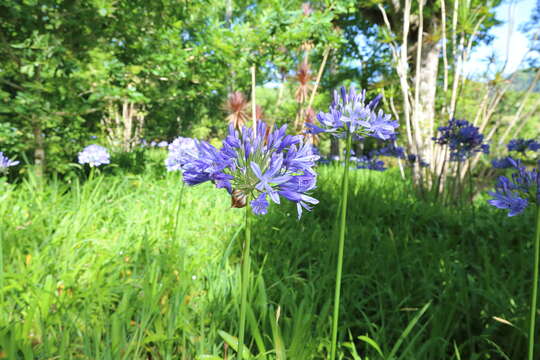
pixel 522 145
pixel 256 165
pixel 516 193
pixel 179 151
pixel 94 155
pixel 162 144
pixel 5 163
pixel 391 150
pixel 370 163
pixel 350 114
pixel 503 163
pixel 463 139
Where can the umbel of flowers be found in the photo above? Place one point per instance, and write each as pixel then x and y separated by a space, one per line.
pixel 255 166
pixel 462 138
pixel 515 194
pixel 94 155
pixel 350 117
pixel 179 150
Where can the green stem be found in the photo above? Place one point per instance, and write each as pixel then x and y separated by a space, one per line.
pixel 344 196
pixel 535 285
pixel 245 281
pixel 176 222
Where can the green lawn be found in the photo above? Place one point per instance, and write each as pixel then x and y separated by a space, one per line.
pixel 98 271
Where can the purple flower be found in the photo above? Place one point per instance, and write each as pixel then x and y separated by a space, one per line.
pixel 94 155
pixel 5 163
pixel 179 151
pixel 370 163
pixel 462 138
pixel 503 163
pixel 162 144
pixel 391 150
pixel 413 158
pixel 255 164
pixel 260 205
pixel 522 145
pixel 349 114
pixel 516 193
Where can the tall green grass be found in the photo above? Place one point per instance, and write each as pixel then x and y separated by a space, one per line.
pixel 93 270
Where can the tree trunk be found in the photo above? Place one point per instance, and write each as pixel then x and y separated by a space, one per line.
pixel 39 147
pixel 425 111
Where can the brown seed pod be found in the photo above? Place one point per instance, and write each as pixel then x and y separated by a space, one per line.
pixel 238 199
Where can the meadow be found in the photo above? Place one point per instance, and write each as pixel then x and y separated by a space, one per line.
pixel 138 266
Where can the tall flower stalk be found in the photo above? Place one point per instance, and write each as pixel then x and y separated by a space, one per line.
pixel 246 265
pixel 351 118
pixel 254 165
pixel 515 194
pixel 341 245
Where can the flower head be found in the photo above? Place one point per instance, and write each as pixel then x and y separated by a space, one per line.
pixel 503 163
pixel 370 163
pixel 462 138
pixel 94 155
pixel 391 150
pixel 522 145
pixel 253 165
pixel 5 163
pixel 516 193
pixel 179 151
pixel 349 114
pixel 162 144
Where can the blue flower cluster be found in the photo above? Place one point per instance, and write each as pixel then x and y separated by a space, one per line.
pixel 522 145
pixel 254 165
pixel 349 114
pixel 94 155
pixel 5 163
pixel 503 163
pixel 180 150
pixel 516 193
pixel 370 163
pixel 463 139
pixel 391 150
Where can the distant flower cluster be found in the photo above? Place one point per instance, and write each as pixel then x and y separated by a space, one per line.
pixel 254 165
pixel 522 145
pixel 463 139
pixel 180 150
pixel 516 193
pixel 370 163
pixel 391 150
pixel 94 155
pixel 5 163
pixel 349 114
pixel 503 163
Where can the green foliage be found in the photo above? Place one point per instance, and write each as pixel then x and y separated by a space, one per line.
pixel 94 270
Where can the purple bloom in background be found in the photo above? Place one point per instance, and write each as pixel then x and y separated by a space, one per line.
pixel 370 163
pixel 5 163
pixel 162 144
pixel 522 145
pixel 516 193
pixel 463 139
pixel 391 150
pixel 253 165
pixel 180 150
pixel 94 155
pixel 503 163
pixel 349 114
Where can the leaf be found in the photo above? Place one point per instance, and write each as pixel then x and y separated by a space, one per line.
pixel 233 342
pixel 371 343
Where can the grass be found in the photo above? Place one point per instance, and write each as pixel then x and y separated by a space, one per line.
pixel 94 271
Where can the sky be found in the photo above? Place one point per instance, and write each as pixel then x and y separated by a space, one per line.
pixel 518 10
